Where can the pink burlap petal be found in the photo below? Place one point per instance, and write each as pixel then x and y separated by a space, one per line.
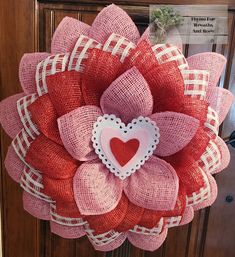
pixel 128 96
pixel 13 164
pixel 212 62
pixel 36 207
pixel 96 189
pixel 173 38
pixel 187 215
pixel 70 232
pixel 113 19
pixel 9 117
pixel 225 155
pixel 75 130
pixel 220 100
pixel 154 186
pixel 118 241
pixel 176 131
pixel 27 70
pixel 67 34
pixel 147 242
pixel 213 194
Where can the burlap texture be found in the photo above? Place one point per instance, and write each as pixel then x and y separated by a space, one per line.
pixel 44 115
pixel 149 218
pixel 212 62
pixel 66 231
pixel 50 158
pixel 187 216
pixel 110 220
pixel 147 242
pixel 225 154
pixel 68 208
pixel 119 240
pixel 76 131
pixel 220 100
pixel 36 207
pixel 113 19
pixel 9 117
pixel 66 35
pixel 213 194
pixel 64 89
pixel 96 190
pixel 13 164
pixel 27 71
pixel 128 97
pixel 101 69
pixel 161 193
pixel 176 131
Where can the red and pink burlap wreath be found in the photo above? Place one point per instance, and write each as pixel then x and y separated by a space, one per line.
pixel 113 137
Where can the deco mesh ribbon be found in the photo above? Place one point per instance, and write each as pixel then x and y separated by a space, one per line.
pixel 104 88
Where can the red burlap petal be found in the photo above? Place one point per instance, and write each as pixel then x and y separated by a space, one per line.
pixel 68 209
pixel 51 159
pixel 191 177
pixel 132 217
pixel 150 218
pixel 180 204
pixel 110 220
pixel 100 70
pixel 142 57
pixel 165 81
pixel 190 153
pixel 187 105
pixel 64 89
pixel 45 116
pixel 59 189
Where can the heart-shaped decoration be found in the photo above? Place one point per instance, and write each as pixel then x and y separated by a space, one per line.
pixel 124 149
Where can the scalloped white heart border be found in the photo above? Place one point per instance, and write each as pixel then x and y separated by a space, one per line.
pixel 134 129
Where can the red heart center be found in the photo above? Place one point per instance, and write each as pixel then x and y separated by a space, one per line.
pixel 124 151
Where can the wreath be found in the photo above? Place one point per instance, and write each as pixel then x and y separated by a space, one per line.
pixel 113 137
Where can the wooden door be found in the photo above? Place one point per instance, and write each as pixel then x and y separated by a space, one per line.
pixel 27 26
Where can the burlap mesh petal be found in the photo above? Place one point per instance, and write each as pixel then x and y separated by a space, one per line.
pixel 213 194
pixel 128 97
pixel 97 191
pixel 113 19
pixel 66 231
pixel 76 131
pixel 220 100
pixel 64 89
pixel 165 81
pixel 142 57
pixel 66 34
pixel 176 131
pixel 27 71
pixel 187 216
pixel 44 115
pixel 225 154
pixel 59 189
pixel 110 220
pixel 13 164
pixel 212 62
pixel 191 178
pixel 132 217
pixel 147 242
pixel 36 207
pixel 161 193
pixel 100 70
pixel 9 117
pixel 68 208
pixel 50 158
pixel 112 244
pixel 191 152
pixel 150 218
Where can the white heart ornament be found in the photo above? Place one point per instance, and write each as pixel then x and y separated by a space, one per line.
pixel 124 149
